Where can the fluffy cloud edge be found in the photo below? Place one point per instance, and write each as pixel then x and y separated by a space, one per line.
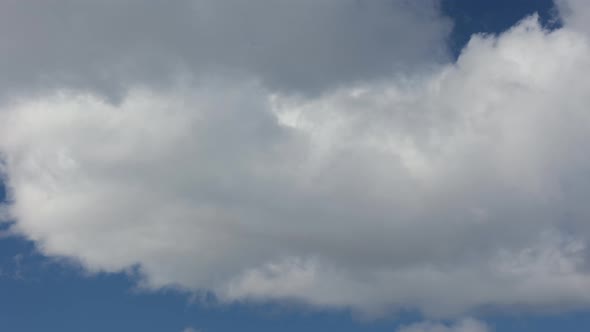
pixel 463 325
pixel 85 142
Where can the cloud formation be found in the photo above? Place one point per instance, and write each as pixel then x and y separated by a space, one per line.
pixel 465 325
pixel 306 46
pixel 446 190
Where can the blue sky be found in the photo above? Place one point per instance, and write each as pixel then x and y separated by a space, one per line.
pixel 50 281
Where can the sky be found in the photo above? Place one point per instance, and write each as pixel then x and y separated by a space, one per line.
pixel 349 165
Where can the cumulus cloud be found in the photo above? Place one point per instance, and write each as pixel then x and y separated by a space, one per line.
pixel 465 325
pixel 303 45
pixel 445 190
pixel 575 14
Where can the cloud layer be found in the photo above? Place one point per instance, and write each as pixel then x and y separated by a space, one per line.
pixel 105 46
pixel 448 189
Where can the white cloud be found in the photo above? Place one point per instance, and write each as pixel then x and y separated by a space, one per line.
pixel 575 14
pixel 465 325
pixel 445 192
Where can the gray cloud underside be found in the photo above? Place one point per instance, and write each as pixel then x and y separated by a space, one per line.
pixel 304 46
pixel 450 189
